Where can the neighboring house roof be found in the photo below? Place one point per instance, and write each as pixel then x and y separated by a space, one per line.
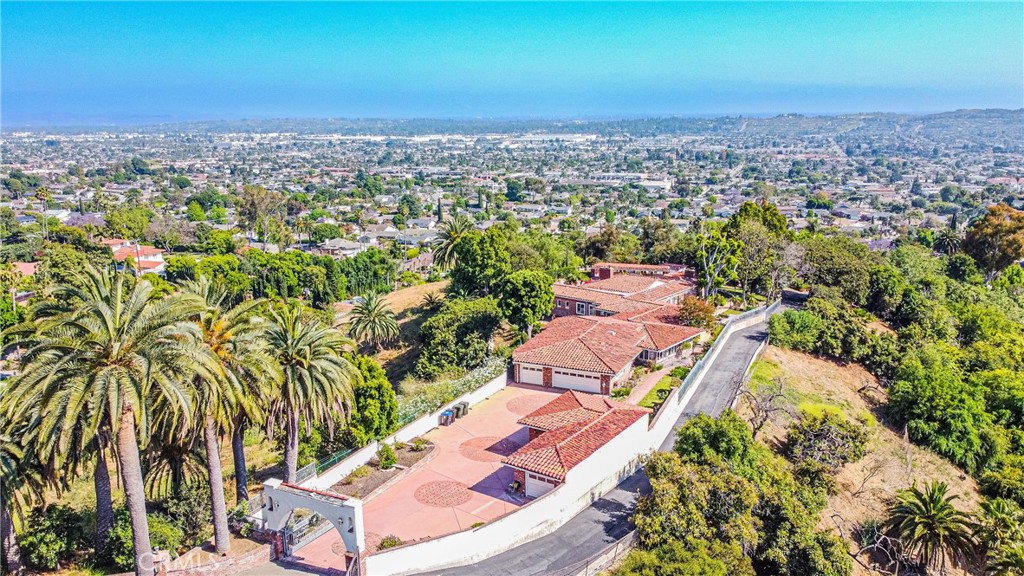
pixel 569 408
pixel 136 251
pixel 25 268
pixel 554 453
pixel 602 345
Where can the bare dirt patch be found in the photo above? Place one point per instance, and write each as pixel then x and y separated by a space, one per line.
pixel 891 463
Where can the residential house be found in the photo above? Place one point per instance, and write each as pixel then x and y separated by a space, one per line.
pixel 566 433
pixel 596 354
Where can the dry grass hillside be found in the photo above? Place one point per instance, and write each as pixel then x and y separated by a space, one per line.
pixel 891 462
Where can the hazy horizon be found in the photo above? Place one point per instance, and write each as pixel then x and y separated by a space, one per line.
pixel 159 62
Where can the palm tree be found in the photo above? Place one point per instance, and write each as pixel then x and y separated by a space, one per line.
pixel 19 482
pixel 1008 561
pixel 432 301
pixel 232 336
pixel 316 382
pixel 108 361
pixel 931 528
pixel 948 241
pixel 448 235
pixel 302 226
pixel 1001 531
pixel 372 321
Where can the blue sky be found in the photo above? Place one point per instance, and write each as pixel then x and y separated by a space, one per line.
pixel 144 61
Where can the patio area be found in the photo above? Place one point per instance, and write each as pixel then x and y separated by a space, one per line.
pixel 461 485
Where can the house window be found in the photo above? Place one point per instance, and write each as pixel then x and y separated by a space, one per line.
pixel 581 308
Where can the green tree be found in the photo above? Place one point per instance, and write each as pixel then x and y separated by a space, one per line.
pixel 372 321
pixel 928 523
pixel 997 239
pixel 482 262
pixel 526 298
pixel 316 383
pixel 458 336
pixel 194 212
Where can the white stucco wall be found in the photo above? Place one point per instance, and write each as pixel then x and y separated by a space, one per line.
pixel 584 484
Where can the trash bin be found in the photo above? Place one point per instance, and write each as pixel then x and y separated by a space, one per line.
pixel 447 417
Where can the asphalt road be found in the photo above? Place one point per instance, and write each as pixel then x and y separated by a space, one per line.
pixel 608 519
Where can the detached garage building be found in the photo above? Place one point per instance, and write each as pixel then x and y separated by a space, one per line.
pixel 595 354
pixel 569 430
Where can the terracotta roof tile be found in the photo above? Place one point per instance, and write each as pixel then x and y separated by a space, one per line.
pixel 556 452
pixel 569 408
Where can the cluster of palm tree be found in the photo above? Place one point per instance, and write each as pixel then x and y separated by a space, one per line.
pixel 108 369
pixel 936 535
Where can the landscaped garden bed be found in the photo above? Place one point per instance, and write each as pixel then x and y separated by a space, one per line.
pixel 363 481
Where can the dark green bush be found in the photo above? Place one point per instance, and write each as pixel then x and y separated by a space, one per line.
pixel 386 457
pixel 163 535
pixel 51 537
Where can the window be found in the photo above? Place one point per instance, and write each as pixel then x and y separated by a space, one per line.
pixel 581 308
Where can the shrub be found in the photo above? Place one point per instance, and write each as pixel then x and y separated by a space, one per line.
pixel 390 541
pixel 51 537
pixel 694 311
pixel 162 534
pixel 386 457
pixel 620 392
pixel 679 372
pixel 361 472
pixel 189 511
pixel 419 444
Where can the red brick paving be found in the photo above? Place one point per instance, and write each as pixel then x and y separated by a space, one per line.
pixel 443 494
pixel 488 448
pixel 523 405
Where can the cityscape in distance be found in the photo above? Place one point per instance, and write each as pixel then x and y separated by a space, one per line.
pixel 515 289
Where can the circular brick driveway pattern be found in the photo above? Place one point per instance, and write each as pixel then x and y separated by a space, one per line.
pixel 523 405
pixel 488 448
pixel 443 494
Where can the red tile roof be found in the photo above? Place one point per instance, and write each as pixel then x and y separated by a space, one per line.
pixel 602 345
pixel 135 252
pixel 625 284
pixel 588 343
pixel 554 453
pixel 569 408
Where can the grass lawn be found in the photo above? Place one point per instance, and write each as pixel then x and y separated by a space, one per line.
pixel 651 399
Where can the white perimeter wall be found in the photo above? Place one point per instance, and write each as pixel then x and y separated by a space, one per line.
pixel 584 484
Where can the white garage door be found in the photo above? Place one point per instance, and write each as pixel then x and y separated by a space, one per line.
pixel 581 381
pixel 528 375
pixel 538 485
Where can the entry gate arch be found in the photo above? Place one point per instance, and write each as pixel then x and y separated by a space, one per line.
pixel 280 499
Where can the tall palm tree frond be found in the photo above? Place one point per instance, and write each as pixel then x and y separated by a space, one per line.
pixel 931 527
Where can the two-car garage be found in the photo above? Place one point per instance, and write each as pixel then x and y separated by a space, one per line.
pixel 560 378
